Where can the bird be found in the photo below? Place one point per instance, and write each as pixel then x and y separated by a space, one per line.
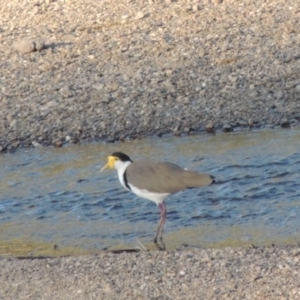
pixel 155 181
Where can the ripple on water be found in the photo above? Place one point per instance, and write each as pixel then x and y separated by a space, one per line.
pixel 59 196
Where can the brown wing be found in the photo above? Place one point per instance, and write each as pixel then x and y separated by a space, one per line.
pixel 164 177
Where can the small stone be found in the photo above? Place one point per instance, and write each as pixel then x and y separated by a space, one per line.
pixel 4 147
pixel 49 105
pixel 66 91
pixel 227 128
pixel 112 87
pixel 15 144
pixel 74 140
pixel 39 45
pixel 250 122
pixel 241 123
pixel 36 144
pixel 169 72
pixel 57 143
pixel 279 95
pixel 285 123
pixel 126 100
pixel 13 123
pixel 139 15
pixel 27 46
pixel 295 252
pixel 210 127
pixel 98 87
pixel 124 48
pixel 196 7
pixel 9 117
pixel 24 46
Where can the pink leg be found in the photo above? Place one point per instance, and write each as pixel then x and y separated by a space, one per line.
pixel 161 223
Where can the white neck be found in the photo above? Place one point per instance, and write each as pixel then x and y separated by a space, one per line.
pixel 121 168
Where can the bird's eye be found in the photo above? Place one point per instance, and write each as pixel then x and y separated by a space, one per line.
pixel 116 159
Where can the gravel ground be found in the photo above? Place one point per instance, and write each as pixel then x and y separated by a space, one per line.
pixel 85 70
pixel 244 273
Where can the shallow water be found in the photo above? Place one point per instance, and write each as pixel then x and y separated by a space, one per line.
pixel 59 197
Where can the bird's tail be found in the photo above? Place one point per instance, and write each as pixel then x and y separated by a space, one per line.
pixel 193 179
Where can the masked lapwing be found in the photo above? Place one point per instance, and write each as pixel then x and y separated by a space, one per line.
pixel 155 181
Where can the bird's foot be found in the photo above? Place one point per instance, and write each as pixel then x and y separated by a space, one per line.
pixel 161 245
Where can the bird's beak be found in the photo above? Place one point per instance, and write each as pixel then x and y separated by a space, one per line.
pixel 110 164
